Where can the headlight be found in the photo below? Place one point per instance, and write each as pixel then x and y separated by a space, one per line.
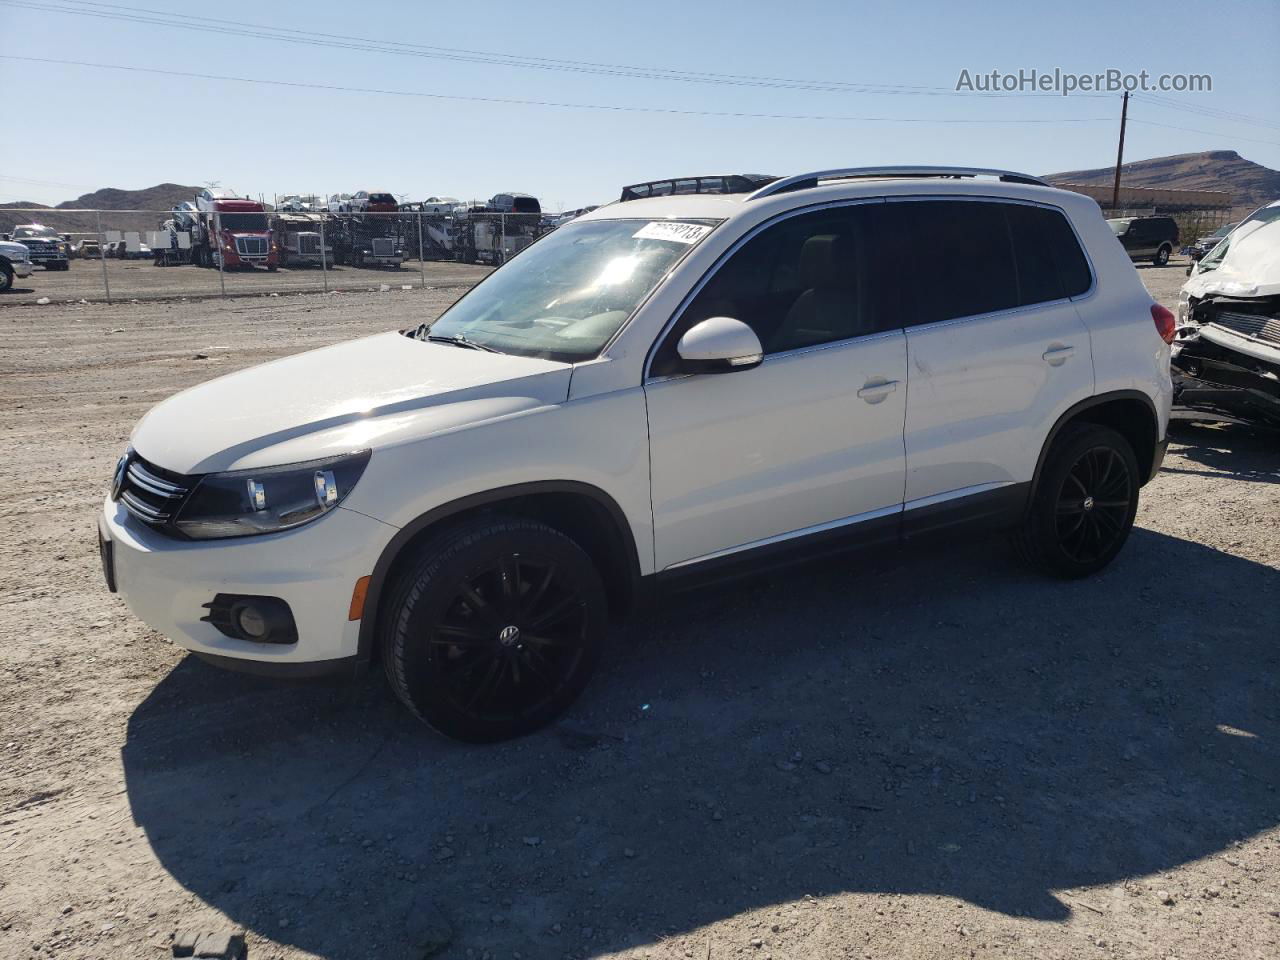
pixel 247 502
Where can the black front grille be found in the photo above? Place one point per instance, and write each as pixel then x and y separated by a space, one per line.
pixel 151 493
pixel 1249 324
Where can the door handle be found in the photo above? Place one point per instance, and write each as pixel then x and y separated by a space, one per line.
pixel 1057 355
pixel 875 391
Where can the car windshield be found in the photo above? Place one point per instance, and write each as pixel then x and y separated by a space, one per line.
pixel 243 221
pixel 566 295
pixel 1239 234
pixel 1119 226
pixel 35 233
pixel 381 198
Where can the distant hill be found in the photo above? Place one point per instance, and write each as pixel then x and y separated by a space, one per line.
pixel 161 197
pixel 1250 184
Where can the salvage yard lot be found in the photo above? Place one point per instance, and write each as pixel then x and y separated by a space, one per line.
pixel 143 280
pixel 944 756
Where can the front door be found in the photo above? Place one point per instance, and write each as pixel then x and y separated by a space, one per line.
pixel 811 439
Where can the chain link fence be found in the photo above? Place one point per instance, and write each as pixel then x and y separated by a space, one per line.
pixel 112 255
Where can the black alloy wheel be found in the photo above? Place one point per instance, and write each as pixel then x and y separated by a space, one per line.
pixel 495 629
pixel 1083 504
pixel 511 638
pixel 1093 505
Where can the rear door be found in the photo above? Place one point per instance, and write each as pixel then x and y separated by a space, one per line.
pixel 996 350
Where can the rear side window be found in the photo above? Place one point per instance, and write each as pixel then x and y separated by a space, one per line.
pixel 964 258
pixel 1049 261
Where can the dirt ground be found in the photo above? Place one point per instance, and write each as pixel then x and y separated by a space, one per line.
pixel 940 756
pixel 143 280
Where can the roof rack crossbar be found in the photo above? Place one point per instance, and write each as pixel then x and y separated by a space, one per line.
pixel 807 181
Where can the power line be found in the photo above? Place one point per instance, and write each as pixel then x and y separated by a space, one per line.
pixel 1207 133
pixel 1204 110
pixel 111 11
pixel 552 103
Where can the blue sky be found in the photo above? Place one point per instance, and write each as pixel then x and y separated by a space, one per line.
pixel 74 128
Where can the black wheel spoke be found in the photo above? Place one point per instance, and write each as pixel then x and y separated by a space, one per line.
pixel 555 613
pixel 480 606
pixel 509 576
pixel 488 686
pixel 534 661
pixel 535 595
pixel 453 636
pixel 539 640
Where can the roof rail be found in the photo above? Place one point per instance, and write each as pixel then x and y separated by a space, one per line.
pixel 807 181
pixel 720 183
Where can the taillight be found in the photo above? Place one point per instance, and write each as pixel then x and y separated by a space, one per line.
pixel 1164 321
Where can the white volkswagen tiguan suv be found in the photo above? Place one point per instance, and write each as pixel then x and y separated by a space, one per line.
pixel 665 388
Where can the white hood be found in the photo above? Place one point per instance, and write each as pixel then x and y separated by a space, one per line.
pixel 1251 265
pixel 381 390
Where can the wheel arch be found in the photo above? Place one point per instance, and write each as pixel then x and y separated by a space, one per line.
pixel 586 513
pixel 1131 413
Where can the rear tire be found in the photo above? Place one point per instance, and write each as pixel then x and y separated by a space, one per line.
pixel 494 629
pixel 1084 503
pixel 1161 258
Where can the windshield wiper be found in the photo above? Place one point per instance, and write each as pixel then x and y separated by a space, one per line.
pixel 459 341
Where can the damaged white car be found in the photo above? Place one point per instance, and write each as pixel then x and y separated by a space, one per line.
pixel 1226 358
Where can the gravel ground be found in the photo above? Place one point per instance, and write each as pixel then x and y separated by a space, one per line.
pixel 942 756
pixel 143 280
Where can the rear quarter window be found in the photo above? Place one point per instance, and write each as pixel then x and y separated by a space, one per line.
pixel 1049 260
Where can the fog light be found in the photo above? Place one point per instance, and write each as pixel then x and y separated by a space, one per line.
pixel 251 622
pixel 256 619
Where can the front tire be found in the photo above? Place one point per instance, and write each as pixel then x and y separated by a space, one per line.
pixel 1084 503
pixel 494 629
pixel 6 277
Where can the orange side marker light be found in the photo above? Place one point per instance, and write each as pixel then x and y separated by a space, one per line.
pixel 357 598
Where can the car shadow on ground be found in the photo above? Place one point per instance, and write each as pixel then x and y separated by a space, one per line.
pixel 1227 449
pixel 950 725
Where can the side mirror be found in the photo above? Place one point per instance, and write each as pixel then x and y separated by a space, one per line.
pixel 719 345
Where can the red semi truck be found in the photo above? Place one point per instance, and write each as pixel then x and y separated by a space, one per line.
pixel 220 227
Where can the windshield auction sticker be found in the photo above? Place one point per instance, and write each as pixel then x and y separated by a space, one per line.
pixel 670 230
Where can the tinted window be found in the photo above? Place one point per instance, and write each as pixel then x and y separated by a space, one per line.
pixel 964 258
pixel 1049 262
pixel 807 280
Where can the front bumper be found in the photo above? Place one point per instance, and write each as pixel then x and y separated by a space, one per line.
pixel 314 569
pixel 21 268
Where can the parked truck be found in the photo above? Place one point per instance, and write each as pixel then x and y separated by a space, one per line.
pixel 301 243
pixel 221 229
pixel 49 249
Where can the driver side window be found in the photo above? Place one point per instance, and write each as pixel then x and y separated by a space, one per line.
pixel 804 281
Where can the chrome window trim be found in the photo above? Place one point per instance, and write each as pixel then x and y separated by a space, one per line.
pixel 648 376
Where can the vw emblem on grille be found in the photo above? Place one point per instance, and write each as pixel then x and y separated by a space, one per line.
pixel 509 636
pixel 117 478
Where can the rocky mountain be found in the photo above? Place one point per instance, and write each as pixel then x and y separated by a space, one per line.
pixel 159 198
pixel 1250 184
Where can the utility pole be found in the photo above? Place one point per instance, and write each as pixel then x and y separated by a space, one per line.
pixel 1115 189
